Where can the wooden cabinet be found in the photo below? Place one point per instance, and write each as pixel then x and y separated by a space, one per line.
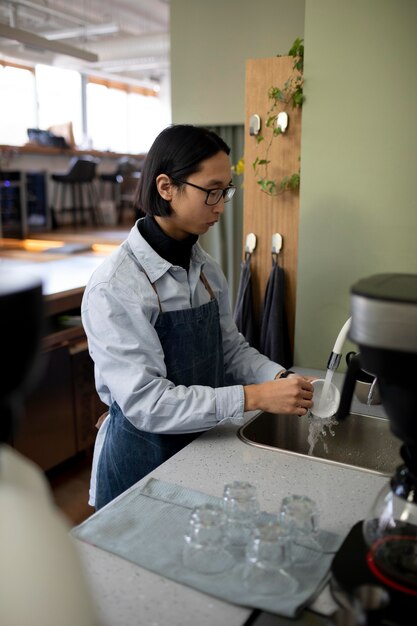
pixel 87 404
pixel 59 416
pixel 46 433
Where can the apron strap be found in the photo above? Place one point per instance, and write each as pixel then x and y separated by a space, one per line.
pixel 154 288
pixel 207 285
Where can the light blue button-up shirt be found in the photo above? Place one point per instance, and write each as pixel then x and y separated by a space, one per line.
pixel 119 311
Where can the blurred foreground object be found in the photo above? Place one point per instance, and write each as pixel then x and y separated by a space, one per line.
pixel 41 578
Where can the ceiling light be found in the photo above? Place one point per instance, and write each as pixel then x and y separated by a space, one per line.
pixel 30 39
pixel 82 31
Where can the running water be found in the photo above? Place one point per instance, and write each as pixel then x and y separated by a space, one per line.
pixel 325 391
pixel 317 431
pixel 317 426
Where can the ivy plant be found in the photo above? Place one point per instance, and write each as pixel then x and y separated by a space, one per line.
pixel 288 95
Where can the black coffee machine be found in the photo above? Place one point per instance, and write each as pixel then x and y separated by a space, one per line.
pixel 384 326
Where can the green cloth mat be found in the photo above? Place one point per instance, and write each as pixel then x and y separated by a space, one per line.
pixel 146 526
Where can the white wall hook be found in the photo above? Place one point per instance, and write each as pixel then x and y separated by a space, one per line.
pixel 250 243
pixel 276 243
pixel 254 124
pixel 282 121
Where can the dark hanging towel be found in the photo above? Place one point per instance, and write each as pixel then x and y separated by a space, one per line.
pixel 243 313
pixel 274 340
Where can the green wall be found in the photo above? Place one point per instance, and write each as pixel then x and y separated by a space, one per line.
pixel 210 42
pixel 358 212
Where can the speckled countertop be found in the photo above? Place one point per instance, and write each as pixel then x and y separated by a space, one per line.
pixel 127 594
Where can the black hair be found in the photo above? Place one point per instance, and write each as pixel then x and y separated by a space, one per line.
pixel 177 152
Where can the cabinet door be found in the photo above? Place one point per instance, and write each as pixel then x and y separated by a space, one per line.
pixel 46 433
pixel 87 404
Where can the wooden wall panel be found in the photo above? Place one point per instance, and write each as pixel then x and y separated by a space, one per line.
pixel 265 215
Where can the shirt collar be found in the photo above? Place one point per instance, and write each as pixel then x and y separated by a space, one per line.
pixel 153 264
pixel 174 251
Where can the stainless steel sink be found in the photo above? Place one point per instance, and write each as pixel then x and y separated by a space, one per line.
pixel 361 441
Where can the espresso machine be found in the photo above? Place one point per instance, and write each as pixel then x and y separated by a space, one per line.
pixel 382 549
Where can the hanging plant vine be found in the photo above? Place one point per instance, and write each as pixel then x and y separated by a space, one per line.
pixel 290 94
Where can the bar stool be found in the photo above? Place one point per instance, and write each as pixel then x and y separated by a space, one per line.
pixel 123 182
pixel 79 179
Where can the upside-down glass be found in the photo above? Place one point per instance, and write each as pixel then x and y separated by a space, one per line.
pixel 268 554
pixel 205 541
pixel 241 507
pixel 300 516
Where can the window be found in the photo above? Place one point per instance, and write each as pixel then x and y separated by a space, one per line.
pixel 146 120
pixel 18 104
pixel 122 118
pixel 106 117
pixel 59 99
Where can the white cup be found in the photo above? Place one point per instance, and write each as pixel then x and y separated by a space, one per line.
pixel 324 407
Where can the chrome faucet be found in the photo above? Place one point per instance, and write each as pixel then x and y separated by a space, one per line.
pixel 372 390
pixel 336 354
pixel 353 371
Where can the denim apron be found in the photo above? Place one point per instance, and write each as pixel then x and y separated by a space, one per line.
pixel 192 344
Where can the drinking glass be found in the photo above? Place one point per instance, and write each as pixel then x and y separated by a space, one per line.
pixel 268 555
pixel 300 516
pixel 205 541
pixel 241 507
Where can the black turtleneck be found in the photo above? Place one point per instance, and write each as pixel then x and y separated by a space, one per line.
pixel 172 250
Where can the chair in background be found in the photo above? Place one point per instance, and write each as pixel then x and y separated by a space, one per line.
pixel 123 182
pixel 79 179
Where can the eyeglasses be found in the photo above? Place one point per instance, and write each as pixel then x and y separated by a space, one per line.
pixel 213 195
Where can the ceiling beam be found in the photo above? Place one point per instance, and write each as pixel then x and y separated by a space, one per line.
pixel 45 9
pixel 81 31
pixel 30 39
